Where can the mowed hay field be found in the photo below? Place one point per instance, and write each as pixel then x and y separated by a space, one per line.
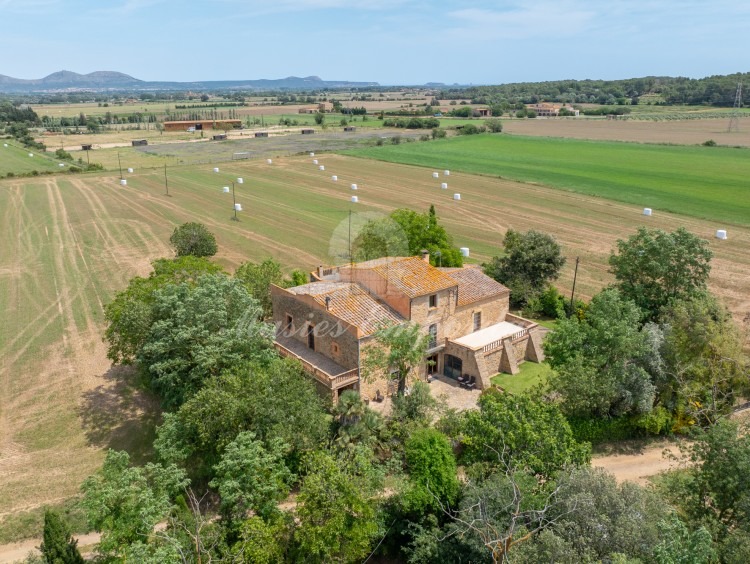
pixel 705 182
pixel 71 242
pixel 16 159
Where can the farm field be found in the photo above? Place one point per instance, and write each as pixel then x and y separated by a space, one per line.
pixel 74 241
pixel 16 159
pixel 704 182
pixel 677 132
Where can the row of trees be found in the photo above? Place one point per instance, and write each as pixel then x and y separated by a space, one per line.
pixel 714 91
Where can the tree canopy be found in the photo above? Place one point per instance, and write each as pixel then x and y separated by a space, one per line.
pixel 511 431
pixel 396 347
pixel 193 239
pixel 599 360
pixel 130 314
pixel 406 232
pixel 654 267
pixel 531 261
pixel 198 331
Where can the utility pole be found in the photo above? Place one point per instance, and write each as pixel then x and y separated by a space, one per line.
pixel 234 202
pixel 166 182
pixel 573 293
pixel 118 162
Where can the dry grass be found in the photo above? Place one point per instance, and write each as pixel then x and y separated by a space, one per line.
pixel 685 132
pixel 72 242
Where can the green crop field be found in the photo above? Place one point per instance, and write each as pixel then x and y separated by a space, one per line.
pixel 704 182
pixel 16 159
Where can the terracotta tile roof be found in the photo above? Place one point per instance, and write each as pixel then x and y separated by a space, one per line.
pixel 410 275
pixel 351 304
pixel 474 285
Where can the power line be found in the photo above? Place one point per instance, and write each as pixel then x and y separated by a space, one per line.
pixel 734 120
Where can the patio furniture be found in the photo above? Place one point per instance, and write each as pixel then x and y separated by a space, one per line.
pixel 471 384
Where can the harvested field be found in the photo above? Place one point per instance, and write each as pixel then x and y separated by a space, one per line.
pixel 73 242
pixel 678 132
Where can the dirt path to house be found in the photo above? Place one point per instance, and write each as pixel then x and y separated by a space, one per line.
pixel 639 464
pixel 17 551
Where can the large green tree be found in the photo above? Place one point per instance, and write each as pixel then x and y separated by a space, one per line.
pixel 125 503
pixel 432 471
pixel 531 261
pixel 251 476
pixel 274 401
pixel 129 315
pixel 712 490
pixel 58 545
pixel 258 277
pixel 509 431
pixel 337 513
pixel 599 360
pixel 193 239
pixel 399 348
pixel 406 232
pixel 198 330
pixel 654 267
pixel 703 366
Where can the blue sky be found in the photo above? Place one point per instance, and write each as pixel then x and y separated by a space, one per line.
pixel 389 41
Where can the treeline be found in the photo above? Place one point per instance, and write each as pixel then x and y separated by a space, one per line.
pixel 716 90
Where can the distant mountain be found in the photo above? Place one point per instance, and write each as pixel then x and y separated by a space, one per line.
pixel 109 80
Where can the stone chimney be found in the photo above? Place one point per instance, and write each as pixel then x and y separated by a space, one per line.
pixel 426 256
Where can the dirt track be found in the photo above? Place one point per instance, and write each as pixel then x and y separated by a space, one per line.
pixel 639 466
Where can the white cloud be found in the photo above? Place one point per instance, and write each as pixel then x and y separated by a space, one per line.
pixel 541 19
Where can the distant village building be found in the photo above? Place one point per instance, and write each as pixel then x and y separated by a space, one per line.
pixel 308 111
pixel 329 323
pixel 483 112
pixel 325 107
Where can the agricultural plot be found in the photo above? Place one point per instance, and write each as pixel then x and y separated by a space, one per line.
pixel 74 241
pixel 16 159
pixel 704 182
pixel 675 132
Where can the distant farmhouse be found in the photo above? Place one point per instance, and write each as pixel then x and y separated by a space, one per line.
pixel 545 109
pixel 198 125
pixel 328 323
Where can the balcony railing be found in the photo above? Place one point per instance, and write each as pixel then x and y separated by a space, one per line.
pixel 331 381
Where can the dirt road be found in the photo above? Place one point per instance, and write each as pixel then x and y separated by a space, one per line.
pixel 640 465
pixel 16 552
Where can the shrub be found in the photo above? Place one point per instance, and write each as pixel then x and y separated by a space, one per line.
pixel 395 140
pixel 709 143
pixel 494 125
pixel 63 154
pixel 438 133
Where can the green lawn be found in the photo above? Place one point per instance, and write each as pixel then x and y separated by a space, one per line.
pixel 705 182
pixel 532 373
pixel 16 159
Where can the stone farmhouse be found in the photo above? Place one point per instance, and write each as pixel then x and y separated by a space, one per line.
pixel 328 323
pixel 544 109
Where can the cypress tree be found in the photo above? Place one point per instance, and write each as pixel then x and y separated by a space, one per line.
pixel 58 546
